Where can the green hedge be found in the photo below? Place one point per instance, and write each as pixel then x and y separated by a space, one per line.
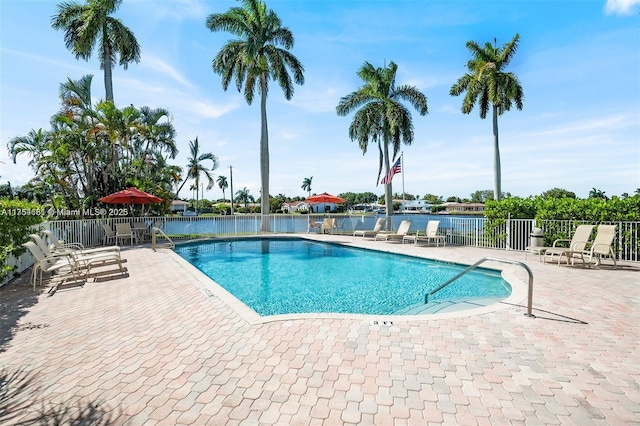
pixel 17 218
pixel 591 210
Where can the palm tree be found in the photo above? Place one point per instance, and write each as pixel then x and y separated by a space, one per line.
pixel 195 168
pixel 243 196
pixel 253 59
pixel 381 117
pixel 86 25
pixel 306 185
pixel 487 83
pixel 596 193
pixel 223 184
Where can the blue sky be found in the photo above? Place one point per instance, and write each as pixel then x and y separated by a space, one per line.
pixel 578 63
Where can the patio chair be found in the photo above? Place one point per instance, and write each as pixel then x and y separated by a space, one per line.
pixel 430 234
pixel 82 260
pixel 124 232
pixel 109 234
pixel 328 225
pixel 370 232
pixel 313 226
pixel 403 230
pixel 602 245
pixel 141 230
pixel 577 245
pixel 59 246
pixel 43 263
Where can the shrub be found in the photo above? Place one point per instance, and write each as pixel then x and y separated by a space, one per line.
pixel 17 218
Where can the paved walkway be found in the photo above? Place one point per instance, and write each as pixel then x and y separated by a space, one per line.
pixel 162 347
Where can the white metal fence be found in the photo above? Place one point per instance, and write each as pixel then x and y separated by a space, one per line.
pixel 511 234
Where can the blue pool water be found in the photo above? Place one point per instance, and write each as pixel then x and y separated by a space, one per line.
pixel 284 276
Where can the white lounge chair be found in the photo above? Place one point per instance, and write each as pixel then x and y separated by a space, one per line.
pixel 59 246
pixel 576 248
pixel 82 260
pixel 43 263
pixel 430 234
pixel 602 245
pixel 370 232
pixel 403 230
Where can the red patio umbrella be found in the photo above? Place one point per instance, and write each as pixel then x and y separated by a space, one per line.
pixel 325 198
pixel 130 196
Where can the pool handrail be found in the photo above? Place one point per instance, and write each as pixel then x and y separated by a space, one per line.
pixel 475 265
pixel 157 230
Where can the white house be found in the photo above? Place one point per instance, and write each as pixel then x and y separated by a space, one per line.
pixel 178 206
pixel 296 206
pixel 414 206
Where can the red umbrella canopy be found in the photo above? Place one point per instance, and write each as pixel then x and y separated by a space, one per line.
pixel 325 198
pixel 130 196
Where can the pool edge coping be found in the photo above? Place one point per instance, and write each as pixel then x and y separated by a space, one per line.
pixel 518 294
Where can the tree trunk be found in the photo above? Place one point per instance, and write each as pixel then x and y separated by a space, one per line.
pixel 388 197
pixel 108 82
pixel 497 190
pixel 264 156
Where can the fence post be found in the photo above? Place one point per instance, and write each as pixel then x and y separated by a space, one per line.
pixel 508 231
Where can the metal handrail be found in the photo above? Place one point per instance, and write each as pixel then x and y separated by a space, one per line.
pixel 155 231
pixel 475 265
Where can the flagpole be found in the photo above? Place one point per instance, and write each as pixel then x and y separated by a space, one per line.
pixel 402 171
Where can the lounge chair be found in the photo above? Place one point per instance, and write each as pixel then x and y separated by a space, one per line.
pixel 601 245
pixel 575 250
pixel 430 234
pixel 50 264
pixel 82 260
pixel 59 246
pixel 109 234
pixel 370 232
pixel 403 230
pixel 124 232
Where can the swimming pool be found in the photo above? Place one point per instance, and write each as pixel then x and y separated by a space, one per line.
pixel 276 276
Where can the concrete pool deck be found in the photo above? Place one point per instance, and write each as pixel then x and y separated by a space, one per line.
pixel 159 347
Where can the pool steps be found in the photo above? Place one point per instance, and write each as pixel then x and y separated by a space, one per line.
pixel 447 305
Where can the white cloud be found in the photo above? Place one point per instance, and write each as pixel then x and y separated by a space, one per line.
pixel 157 64
pixel 621 7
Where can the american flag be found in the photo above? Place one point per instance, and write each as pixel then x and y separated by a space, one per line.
pixel 395 169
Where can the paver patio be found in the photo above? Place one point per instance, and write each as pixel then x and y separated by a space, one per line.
pixel 162 347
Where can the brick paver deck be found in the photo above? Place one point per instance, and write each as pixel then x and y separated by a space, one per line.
pixel 161 346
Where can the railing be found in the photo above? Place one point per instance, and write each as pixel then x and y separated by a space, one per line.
pixel 154 243
pixel 512 234
pixel 478 263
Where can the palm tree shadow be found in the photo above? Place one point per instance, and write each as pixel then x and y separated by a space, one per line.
pixel 20 393
pixel 16 298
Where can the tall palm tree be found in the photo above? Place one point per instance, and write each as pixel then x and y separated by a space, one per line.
pixel 252 60
pixel 306 185
pixel 380 116
pixel 223 184
pixel 195 168
pixel 488 84
pixel 88 24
